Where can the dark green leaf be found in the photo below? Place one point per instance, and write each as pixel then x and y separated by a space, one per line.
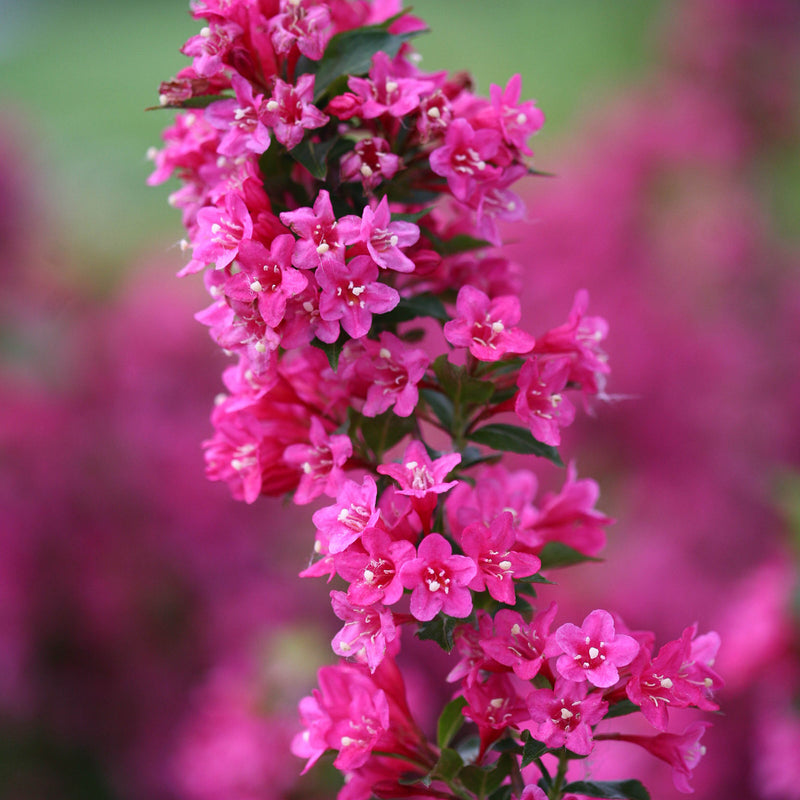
pixel 513 439
pixel 536 578
pixel 384 431
pixel 440 405
pixel 450 721
pixel 333 349
pixel 199 101
pixel 460 243
pixel 558 554
pixel 503 793
pixel 532 750
pixel 482 781
pixel 459 386
pixel 422 305
pixel 350 53
pixel 440 630
pixel 611 790
pixel 621 708
pixel 448 765
pixel 313 156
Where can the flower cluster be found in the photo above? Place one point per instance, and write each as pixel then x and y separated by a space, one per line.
pixel 345 209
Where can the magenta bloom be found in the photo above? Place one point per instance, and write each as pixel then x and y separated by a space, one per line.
pixel 594 652
pixel 682 751
pixel 518 644
pixel 371 162
pixel 319 237
pixel 438 580
pixel 384 92
pixel 494 706
pixel 541 404
pixel 351 294
pixel 384 238
pixel 393 370
pixel 421 478
pixel 486 326
pixel 491 547
pixel 353 512
pixel 219 233
pixel 564 715
pixel 374 574
pixel 290 112
pixel 516 122
pixel 242 120
pixel 320 462
pixel 367 631
pixel 463 157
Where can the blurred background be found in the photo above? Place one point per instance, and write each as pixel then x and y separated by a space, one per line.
pixel 153 639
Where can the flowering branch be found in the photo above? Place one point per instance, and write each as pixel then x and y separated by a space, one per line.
pixel 344 207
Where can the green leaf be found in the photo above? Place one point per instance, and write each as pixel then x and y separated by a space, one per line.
pixel 350 53
pixel 198 101
pixel 532 750
pixel 613 790
pixel 313 156
pixel 482 781
pixel 621 709
pixel 440 405
pixel 450 721
pixel 558 554
pixel 503 793
pixel 384 431
pixel 421 305
pixel 448 765
pixel 460 243
pixel 333 349
pixel 513 439
pixel 459 386
pixel 440 630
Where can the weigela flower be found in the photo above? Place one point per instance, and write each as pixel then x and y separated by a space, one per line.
pixel 353 512
pixel 209 48
pixel 300 25
pixel 541 403
pixel 371 161
pixel 517 122
pixel 668 680
pixel 373 570
pixel 491 547
pixel 242 120
pixel 564 715
pixel 486 326
pixel 290 112
pixel 422 478
pixel 393 370
pixel 384 238
pixel 318 231
pixel 220 232
pixel 494 706
pixel 519 644
pixel 682 751
pixel 320 462
pixel 438 580
pixel 367 631
pixel 464 158
pixel 593 651
pixel 351 294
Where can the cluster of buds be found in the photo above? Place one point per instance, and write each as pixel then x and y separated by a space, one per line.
pixel 345 208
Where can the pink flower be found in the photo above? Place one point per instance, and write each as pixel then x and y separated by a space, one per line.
pixel 298 25
pixel 353 512
pixel 491 547
pixel 319 233
pixel 385 92
pixel 242 120
pixel 486 326
pixel 540 403
pixel 220 232
pixel 367 631
pixel 371 161
pixel 421 478
pixel 519 644
pixel 565 714
pixel 393 370
pixel 351 294
pixel 593 652
pixel 210 47
pixel 464 157
pixel 669 680
pixel 291 110
pixel 384 238
pixel 494 706
pixel 682 751
pixel 516 122
pixel 320 462
pixel 374 572
pixel 438 580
